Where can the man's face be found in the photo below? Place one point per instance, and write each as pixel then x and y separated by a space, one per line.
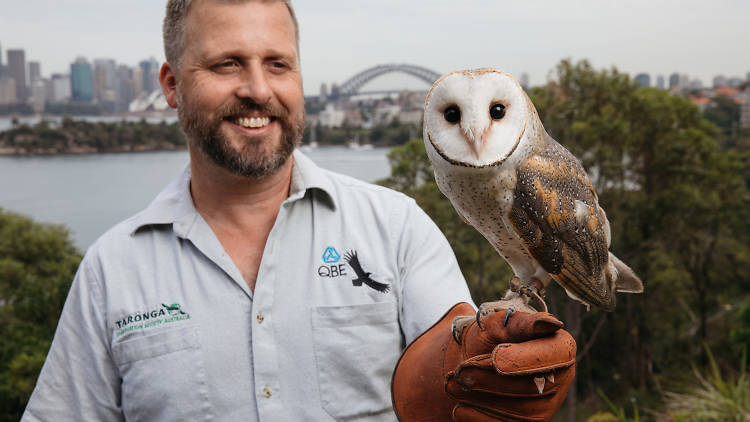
pixel 239 88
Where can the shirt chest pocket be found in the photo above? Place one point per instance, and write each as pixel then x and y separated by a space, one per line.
pixel 356 349
pixel 163 376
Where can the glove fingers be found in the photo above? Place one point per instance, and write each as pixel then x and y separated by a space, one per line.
pixel 518 327
pixel 472 414
pixel 478 379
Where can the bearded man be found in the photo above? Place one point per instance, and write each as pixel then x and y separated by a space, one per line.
pixel 259 287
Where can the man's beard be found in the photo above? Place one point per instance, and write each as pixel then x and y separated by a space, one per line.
pixel 251 161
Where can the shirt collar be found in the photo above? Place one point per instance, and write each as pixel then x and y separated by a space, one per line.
pixel 174 205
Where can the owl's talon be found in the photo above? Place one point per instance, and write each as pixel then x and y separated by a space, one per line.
pixel 508 313
pixel 479 318
pixel 454 331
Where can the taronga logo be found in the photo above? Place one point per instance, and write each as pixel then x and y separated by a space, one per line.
pixel 331 256
pixel 363 277
pixel 167 314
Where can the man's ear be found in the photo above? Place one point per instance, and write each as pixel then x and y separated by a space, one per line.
pixel 168 81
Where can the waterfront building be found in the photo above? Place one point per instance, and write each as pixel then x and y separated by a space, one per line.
pixel 643 79
pixel 81 81
pixel 60 88
pixel 17 71
pixel 105 83
pixel 150 74
pixel 38 95
pixel 7 90
pixel 126 87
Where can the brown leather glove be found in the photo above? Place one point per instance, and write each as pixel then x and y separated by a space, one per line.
pixel 494 374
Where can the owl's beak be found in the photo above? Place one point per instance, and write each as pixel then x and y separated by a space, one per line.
pixel 475 140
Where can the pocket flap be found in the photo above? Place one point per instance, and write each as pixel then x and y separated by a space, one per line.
pixel 353 315
pixel 157 344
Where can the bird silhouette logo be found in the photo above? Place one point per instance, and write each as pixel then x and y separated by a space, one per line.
pixel 173 309
pixel 363 277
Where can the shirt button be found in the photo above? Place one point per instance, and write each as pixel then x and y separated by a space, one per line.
pixel 260 317
pixel 267 392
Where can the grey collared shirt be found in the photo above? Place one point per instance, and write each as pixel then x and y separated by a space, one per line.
pixel 159 324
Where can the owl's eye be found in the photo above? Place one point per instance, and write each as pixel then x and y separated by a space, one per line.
pixel 497 111
pixel 452 114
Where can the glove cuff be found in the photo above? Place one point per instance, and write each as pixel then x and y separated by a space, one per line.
pixel 418 383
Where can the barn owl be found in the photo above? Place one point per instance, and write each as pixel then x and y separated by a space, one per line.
pixel 524 192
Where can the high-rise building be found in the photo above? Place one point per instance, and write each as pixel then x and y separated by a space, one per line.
pixel 60 88
pixel 660 82
pixel 2 67
pixel 81 80
pixel 38 96
pixel 126 87
pixel 524 80
pixel 719 80
pixel 643 79
pixel 7 90
pixel 17 71
pixel 674 81
pixel 35 72
pixel 150 69
pixel 105 80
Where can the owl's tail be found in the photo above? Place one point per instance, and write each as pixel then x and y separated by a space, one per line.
pixel 625 279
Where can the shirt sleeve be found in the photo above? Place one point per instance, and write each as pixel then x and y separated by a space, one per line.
pixel 431 280
pixel 79 381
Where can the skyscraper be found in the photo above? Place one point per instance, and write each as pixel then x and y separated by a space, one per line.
pixel 105 80
pixel 643 79
pixel 674 81
pixel 81 80
pixel 35 72
pixel 660 82
pixel 17 71
pixel 150 69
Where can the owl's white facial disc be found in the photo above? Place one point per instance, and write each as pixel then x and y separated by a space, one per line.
pixel 474 136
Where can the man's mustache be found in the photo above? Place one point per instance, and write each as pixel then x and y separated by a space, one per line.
pixel 248 106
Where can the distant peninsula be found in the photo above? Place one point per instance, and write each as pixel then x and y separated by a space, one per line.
pixel 82 137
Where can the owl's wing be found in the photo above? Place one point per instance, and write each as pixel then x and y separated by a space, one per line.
pixel 556 214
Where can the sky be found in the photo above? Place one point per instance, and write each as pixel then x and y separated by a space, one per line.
pixel 340 38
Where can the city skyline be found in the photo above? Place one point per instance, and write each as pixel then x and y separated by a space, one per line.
pixel 691 38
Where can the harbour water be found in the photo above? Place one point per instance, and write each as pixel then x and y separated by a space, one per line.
pixel 90 193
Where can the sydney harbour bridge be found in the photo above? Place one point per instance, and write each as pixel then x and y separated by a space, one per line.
pixel 353 85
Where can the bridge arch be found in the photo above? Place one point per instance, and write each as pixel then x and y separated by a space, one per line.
pixel 353 84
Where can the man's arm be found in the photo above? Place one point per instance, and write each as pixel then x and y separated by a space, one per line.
pixel 79 381
pixel 430 277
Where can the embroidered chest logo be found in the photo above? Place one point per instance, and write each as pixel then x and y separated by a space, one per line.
pixel 331 268
pixel 166 314
pixel 363 277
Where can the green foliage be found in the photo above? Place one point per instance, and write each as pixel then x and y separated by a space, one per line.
pixel 37 265
pixel 740 334
pixel 77 136
pixel 713 398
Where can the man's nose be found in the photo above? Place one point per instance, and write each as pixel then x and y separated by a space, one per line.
pixel 254 84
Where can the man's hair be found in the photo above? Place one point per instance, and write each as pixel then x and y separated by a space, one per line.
pixel 173 29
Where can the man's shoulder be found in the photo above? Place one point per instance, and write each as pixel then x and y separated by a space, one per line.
pixel 346 185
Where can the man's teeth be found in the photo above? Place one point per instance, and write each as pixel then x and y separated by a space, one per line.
pixel 253 122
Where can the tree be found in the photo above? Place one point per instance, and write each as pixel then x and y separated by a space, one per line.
pixel 37 265
pixel 677 201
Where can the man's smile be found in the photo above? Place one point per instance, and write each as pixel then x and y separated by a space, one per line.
pixel 251 122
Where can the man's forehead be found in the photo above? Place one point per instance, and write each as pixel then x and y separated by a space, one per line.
pixel 201 11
